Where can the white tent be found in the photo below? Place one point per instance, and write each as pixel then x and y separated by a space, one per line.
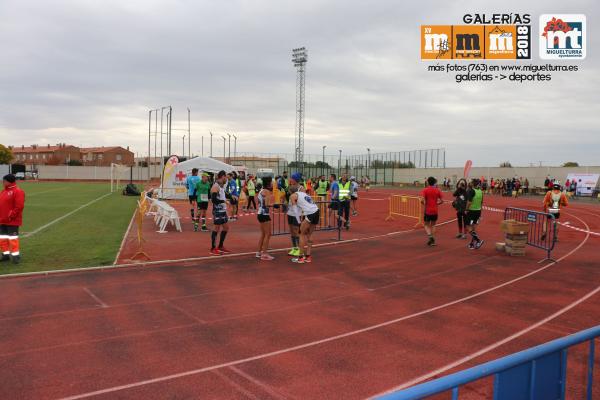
pixel 175 173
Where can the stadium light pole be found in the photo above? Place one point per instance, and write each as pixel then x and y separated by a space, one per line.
pixel 183 148
pixel 340 164
pixel 189 134
pixel 202 146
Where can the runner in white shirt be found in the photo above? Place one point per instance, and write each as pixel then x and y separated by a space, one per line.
pixel 311 219
pixel 354 195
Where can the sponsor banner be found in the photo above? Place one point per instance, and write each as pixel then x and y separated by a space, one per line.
pixel 586 183
pixel 562 36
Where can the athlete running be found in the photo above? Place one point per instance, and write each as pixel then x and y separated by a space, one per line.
pixel 190 184
pixel 265 200
pixel 203 195
pixel 554 200
pixel 431 197
pixel 311 219
pixel 474 205
pixel 220 219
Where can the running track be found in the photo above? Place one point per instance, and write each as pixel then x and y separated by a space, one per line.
pixel 366 317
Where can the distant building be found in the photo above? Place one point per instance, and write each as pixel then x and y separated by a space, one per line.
pixel 61 154
pixel 45 155
pixel 104 156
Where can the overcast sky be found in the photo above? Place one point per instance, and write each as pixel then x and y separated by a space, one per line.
pixel 87 72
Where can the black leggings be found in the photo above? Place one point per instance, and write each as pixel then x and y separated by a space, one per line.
pixel 251 201
pixel 461 218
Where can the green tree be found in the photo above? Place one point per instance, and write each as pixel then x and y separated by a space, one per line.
pixel 571 164
pixel 6 154
pixel 74 163
pixel 506 164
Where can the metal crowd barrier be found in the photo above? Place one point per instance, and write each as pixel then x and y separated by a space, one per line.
pixel 328 220
pixel 538 373
pixel 406 206
pixel 542 228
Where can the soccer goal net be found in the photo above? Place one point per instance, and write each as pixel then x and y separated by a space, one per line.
pixel 118 173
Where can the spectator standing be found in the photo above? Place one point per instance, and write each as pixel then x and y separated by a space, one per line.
pixel 12 203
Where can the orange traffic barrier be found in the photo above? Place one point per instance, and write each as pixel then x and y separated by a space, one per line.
pixel 406 206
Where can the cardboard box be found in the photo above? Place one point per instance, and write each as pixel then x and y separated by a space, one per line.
pixel 513 227
pixel 513 251
pixel 516 244
pixel 500 247
pixel 517 238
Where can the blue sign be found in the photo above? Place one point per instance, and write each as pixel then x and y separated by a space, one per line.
pixel 531 217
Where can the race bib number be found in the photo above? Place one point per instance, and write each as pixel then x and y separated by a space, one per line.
pixel 203 197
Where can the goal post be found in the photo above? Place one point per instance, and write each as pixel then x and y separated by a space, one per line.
pixel 116 172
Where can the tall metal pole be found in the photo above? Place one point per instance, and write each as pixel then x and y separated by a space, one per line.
pixel 155 134
pixel 170 137
pixel 368 160
pixel 299 58
pixel 183 149
pixel 224 140
pixel 229 153
pixel 149 133
pixel 234 146
pixel 340 164
pixel 323 166
pixel 189 136
pixel 211 136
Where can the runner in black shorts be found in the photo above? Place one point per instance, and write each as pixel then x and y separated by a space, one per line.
pixel 265 199
pixel 220 220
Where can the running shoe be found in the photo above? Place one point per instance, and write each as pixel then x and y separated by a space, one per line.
pixel 296 252
pixel 464 236
pixel 291 252
pixel 430 241
pixel 204 228
pixel 471 246
pixel 307 259
pixel 299 260
pixel 195 227
pixel 5 257
pixel 215 252
pixel 478 245
pixel 267 257
pixel 258 254
pixel 223 250
pixel 459 236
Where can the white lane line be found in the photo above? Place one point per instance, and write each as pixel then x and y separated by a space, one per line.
pixel 235 385
pixel 507 339
pixel 321 341
pixel 96 298
pixel 41 228
pixel 490 347
pixel 267 388
pixel 184 312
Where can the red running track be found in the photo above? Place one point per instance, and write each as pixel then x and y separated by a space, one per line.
pixel 365 317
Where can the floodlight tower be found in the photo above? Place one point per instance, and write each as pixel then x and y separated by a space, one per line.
pixel 299 58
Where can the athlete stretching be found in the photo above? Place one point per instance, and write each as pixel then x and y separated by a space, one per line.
pixel 311 219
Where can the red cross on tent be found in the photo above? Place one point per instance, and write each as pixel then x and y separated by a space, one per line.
pixel 180 175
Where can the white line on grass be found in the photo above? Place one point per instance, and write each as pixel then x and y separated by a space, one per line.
pixel 49 224
pixel 44 192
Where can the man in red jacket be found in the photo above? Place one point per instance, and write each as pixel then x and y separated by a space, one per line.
pixel 12 202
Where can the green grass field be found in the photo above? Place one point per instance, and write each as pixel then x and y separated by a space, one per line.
pixel 90 236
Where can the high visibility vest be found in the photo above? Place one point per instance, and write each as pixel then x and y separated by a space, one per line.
pixel 344 190
pixel 322 188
